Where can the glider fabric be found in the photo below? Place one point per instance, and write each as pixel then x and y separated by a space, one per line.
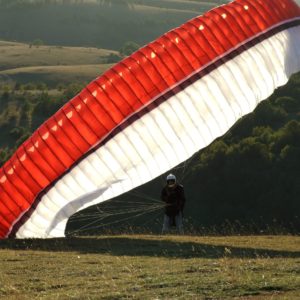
pixel 148 113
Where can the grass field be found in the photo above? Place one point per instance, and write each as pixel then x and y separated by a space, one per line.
pixel 54 75
pixel 16 55
pixel 151 267
pixel 21 63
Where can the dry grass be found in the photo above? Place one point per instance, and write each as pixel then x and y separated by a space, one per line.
pixel 56 74
pixel 50 64
pixel 18 55
pixel 151 267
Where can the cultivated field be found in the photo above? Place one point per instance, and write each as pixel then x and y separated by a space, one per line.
pixel 151 267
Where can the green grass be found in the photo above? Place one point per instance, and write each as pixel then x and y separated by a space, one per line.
pixel 151 267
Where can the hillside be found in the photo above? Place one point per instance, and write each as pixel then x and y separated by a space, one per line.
pixel 23 63
pixel 15 55
pixel 104 24
pixel 54 75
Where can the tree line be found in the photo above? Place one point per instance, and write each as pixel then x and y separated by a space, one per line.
pixel 24 107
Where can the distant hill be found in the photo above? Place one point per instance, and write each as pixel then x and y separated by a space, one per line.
pixel 103 23
pixel 15 55
pixel 25 63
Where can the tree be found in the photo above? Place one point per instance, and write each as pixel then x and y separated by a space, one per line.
pixel 289 104
pixel 128 48
pixel 112 58
pixel 37 43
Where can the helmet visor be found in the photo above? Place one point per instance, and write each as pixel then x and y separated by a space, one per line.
pixel 171 181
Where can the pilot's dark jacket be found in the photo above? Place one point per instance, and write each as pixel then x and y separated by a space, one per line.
pixel 174 199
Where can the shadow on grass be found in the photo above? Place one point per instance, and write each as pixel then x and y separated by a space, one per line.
pixel 134 246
